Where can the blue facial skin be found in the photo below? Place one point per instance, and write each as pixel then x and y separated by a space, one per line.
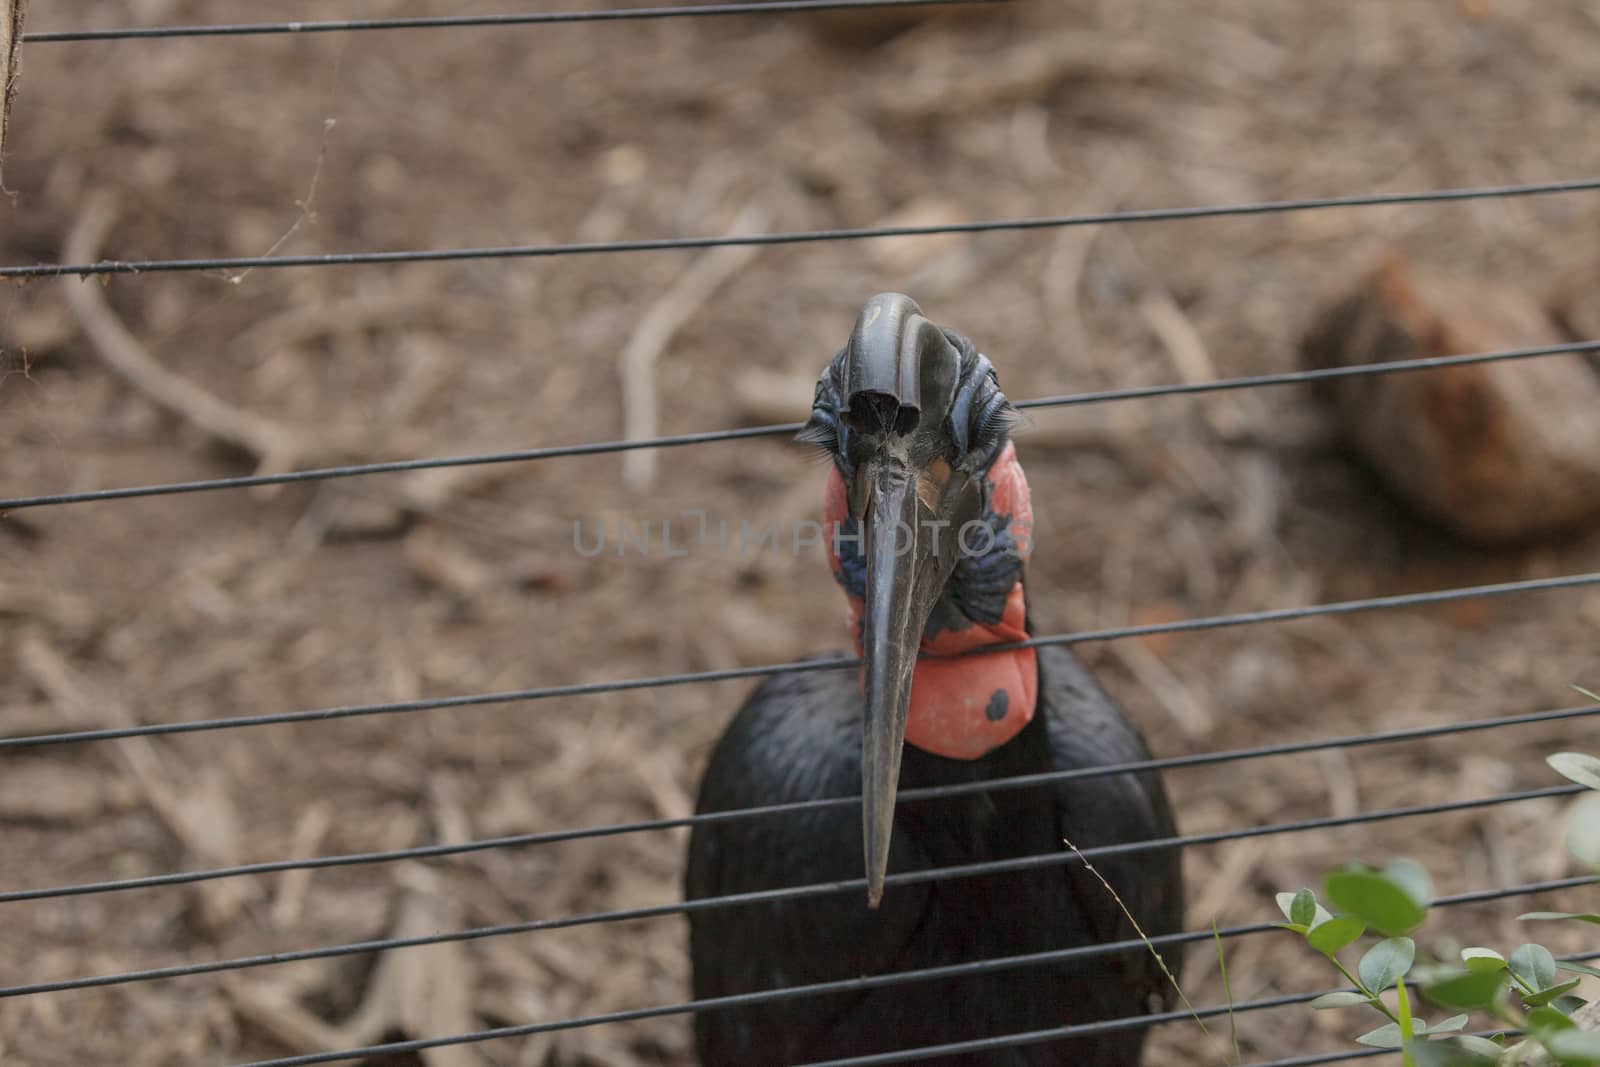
pixel 978 586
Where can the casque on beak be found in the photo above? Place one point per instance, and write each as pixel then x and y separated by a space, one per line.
pixel 900 373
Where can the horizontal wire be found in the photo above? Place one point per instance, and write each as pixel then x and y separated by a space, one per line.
pixel 789 893
pixel 1365 1053
pixel 1024 781
pixel 1317 374
pixel 1142 392
pixel 667 244
pixel 1213 622
pixel 1328 1057
pixel 850 985
pixel 1031 1037
pixel 399 465
pixel 401 1047
pixel 439 22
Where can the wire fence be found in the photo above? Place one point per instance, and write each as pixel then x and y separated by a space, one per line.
pixel 530 18
pixel 795 237
pixel 910 796
pixel 600 448
pixel 822 889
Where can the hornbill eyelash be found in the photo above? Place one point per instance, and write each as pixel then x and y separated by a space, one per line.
pixel 998 420
pixel 821 436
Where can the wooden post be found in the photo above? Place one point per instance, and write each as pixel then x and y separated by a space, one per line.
pixel 11 12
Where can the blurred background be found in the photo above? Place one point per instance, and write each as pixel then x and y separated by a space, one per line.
pixel 464 581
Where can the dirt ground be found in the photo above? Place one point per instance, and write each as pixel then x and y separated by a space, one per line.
pixel 396 587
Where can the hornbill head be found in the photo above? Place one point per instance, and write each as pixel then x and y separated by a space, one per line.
pixel 913 419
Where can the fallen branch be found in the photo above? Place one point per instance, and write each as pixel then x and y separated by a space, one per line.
pixel 1029 74
pixel 276 447
pixel 423 992
pixel 11 12
pixel 197 809
pixel 280 447
pixel 637 365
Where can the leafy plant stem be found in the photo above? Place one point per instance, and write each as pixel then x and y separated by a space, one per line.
pixel 1372 998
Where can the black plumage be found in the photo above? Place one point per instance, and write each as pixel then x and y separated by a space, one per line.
pixel 798 737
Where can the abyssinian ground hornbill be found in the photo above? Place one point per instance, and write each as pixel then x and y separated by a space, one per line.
pixel 930 526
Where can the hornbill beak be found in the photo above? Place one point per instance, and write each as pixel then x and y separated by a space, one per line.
pixel 901 587
pixel 909 502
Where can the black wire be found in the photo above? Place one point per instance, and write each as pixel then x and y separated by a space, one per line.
pixel 392 466
pixel 788 893
pixel 1213 622
pixel 1298 377
pixel 709 436
pixel 862 984
pixel 1361 1054
pixel 1031 1037
pixel 665 244
pixel 1003 1041
pixel 538 18
pixel 1025 781
pixel 1328 1057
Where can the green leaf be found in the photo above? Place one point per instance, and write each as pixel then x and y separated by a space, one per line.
pixel 1383 903
pixel 1481 1045
pixel 1386 962
pixel 1544 1020
pixel 1482 959
pixel 1303 908
pixel 1574 1046
pixel 1586 917
pixel 1581 768
pixel 1567 1005
pixel 1385 1036
pixel 1545 996
pixel 1333 935
pixel 1534 966
pixel 1465 990
pixel 1344 998
pixel 1450 1054
pixel 1583 830
pixel 1286 905
pixel 1455 1022
pixel 1413 878
pixel 1578 968
pixel 1428 973
pixel 1455 1053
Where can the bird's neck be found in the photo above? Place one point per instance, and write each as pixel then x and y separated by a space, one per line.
pixel 964 706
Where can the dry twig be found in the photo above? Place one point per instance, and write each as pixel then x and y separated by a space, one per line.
pixel 197 809
pixel 11 13
pixel 421 992
pixel 655 332
pixel 275 446
pixel 309 832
